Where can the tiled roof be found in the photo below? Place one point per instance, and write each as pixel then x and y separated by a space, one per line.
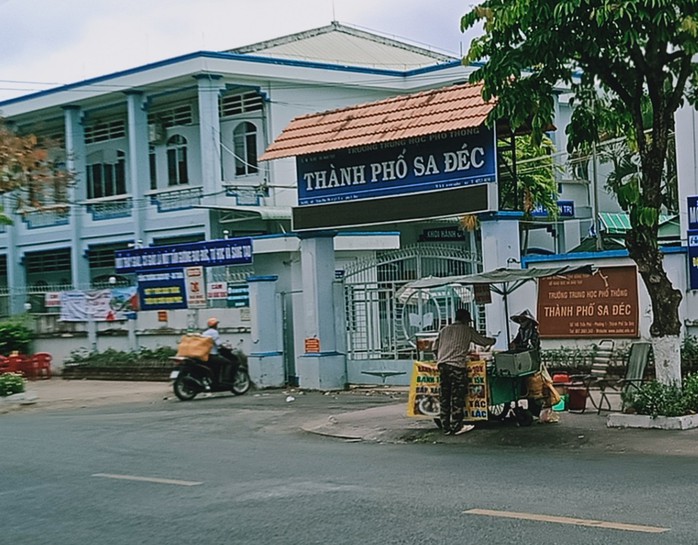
pixel 429 112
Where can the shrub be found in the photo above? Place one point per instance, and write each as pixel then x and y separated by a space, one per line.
pixel 14 335
pixel 118 358
pixel 657 399
pixel 11 383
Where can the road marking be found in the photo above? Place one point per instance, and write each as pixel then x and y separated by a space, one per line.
pixel 146 479
pixel 568 520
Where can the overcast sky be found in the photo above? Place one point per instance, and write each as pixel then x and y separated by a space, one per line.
pixel 45 43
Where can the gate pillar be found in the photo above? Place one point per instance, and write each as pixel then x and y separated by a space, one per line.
pixel 320 366
pixel 266 360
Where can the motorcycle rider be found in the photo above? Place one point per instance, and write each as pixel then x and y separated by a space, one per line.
pixel 220 357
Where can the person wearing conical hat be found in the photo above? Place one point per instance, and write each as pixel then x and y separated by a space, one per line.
pixel 527 338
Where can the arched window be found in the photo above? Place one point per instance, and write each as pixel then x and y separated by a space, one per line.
pixel 245 149
pixel 177 160
pixel 106 174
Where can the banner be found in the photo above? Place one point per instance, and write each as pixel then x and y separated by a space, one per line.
pixel 162 290
pixel 425 389
pixel 99 306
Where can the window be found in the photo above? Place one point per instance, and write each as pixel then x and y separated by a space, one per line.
pixel 177 160
pixel 47 262
pixel 245 149
pixel 152 160
pixel 173 117
pixel 240 104
pixel 101 132
pixel 103 255
pixel 107 178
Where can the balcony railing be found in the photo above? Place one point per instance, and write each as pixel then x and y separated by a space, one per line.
pixel 51 216
pixel 180 198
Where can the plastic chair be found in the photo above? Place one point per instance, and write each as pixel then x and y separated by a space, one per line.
pixel 5 366
pixel 20 364
pixel 41 365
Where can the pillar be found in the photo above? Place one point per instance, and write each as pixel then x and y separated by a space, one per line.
pixel 266 360
pixel 209 88
pixel 321 366
pixel 76 157
pixel 138 159
pixel 501 249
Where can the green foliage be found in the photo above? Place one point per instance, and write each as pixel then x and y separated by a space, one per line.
pixel 117 358
pixel 628 65
pixel 11 383
pixel 15 335
pixel 656 399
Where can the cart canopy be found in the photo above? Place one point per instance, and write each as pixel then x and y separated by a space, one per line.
pixel 502 281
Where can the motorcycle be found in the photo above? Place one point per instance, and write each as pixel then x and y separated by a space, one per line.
pixel 192 376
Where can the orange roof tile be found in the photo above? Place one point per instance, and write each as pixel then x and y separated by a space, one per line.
pixel 429 112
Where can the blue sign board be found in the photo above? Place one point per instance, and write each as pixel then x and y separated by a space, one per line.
pixel 212 253
pixel 162 290
pixel 693 213
pixel 565 209
pixel 693 259
pixel 417 164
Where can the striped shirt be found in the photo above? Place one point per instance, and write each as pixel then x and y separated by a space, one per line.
pixel 453 343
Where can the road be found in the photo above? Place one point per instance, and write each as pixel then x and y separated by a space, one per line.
pixel 239 470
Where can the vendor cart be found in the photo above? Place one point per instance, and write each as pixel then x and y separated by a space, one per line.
pixel 498 382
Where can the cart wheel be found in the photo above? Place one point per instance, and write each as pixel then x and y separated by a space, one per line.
pixel 524 417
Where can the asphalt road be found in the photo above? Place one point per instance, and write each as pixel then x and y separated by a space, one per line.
pixel 239 470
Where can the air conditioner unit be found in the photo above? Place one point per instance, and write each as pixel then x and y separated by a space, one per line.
pixel 156 133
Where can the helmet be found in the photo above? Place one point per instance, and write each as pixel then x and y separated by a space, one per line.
pixel 212 322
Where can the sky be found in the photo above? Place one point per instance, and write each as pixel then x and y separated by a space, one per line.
pixel 47 43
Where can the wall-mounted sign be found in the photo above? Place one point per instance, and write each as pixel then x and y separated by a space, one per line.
pixel 312 345
pixel 162 290
pixel 212 253
pixel 442 234
pixel 604 304
pixel 419 164
pixel 196 287
pixel 565 209
pixel 238 295
pixel 483 295
pixel 217 290
pixel 693 213
pixel 52 299
pixel 693 259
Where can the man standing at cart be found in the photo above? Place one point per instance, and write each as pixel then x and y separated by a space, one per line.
pixel 451 348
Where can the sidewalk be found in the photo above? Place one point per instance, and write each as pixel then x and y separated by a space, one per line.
pixel 388 423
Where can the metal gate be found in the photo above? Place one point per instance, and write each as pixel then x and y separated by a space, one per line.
pixel 382 320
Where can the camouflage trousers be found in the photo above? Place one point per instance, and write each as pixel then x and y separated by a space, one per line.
pixel 454 386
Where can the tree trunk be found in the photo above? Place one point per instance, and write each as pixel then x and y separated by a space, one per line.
pixel 666 326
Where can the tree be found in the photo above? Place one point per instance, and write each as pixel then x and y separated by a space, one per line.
pixel 32 169
pixel 637 54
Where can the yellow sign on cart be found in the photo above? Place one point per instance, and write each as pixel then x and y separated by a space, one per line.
pixel 425 386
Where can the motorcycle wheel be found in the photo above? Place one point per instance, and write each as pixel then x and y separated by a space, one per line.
pixel 183 389
pixel 241 384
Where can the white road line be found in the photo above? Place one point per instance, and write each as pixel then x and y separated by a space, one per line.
pixel 568 520
pixel 146 479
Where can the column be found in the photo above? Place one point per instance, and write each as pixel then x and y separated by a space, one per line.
pixel 320 366
pixel 501 248
pixel 76 163
pixel 210 132
pixel 138 161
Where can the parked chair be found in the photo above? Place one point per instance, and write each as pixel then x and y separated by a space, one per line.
pixel 598 377
pixel 19 365
pixel 41 365
pixel 600 380
pixel 5 366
